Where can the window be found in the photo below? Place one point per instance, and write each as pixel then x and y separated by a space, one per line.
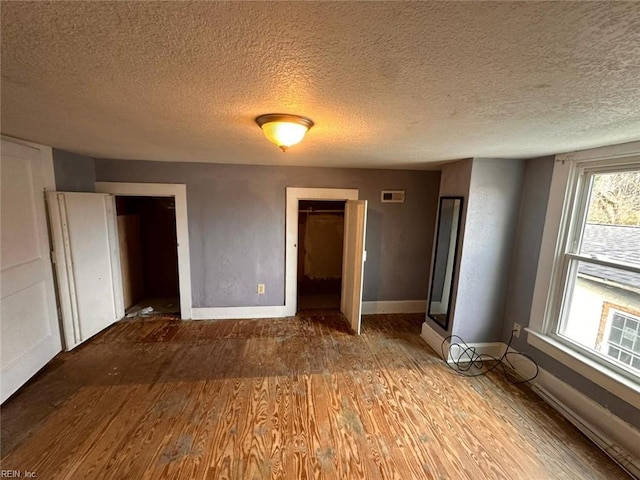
pixel 588 268
pixel 623 343
pixel 599 267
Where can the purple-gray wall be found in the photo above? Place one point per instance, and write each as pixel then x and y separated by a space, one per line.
pixel 531 217
pixel 222 198
pixel 73 172
pixel 491 194
pixel 490 228
pixel 237 226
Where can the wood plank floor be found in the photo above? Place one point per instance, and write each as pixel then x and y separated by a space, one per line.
pixel 282 398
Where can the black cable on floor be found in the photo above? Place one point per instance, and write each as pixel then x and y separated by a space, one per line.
pixel 483 363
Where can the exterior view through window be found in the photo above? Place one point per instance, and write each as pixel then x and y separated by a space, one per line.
pixel 601 306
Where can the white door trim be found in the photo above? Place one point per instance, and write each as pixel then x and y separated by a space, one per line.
pixel 295 194
pixel 46 152
pixel 179 192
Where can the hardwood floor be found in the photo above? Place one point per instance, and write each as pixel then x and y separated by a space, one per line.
pixel 282 398
pixel 318 302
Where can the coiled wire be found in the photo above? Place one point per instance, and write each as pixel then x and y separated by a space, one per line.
pixel 470 363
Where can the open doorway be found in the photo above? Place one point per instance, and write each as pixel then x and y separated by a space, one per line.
pixel 320 254
pixel 148 254
pixel 354 255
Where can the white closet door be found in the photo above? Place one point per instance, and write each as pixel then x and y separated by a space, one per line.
pixel 28 317
pixel 85 241
pixel 355 219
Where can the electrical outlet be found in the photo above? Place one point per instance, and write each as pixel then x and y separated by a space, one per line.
pixel 516 330
pixel 261 289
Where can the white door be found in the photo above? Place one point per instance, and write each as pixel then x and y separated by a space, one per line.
pixel 355 219
pixel 28 317
pixel 85 243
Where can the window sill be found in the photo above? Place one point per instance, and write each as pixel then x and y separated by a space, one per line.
pixel 619 385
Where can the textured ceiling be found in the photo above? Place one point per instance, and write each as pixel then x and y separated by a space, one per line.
pixel 388 84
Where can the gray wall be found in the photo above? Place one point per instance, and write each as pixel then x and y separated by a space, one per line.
pixel 532 211
pixel 237 226
pixel 73 172
pixel 490 229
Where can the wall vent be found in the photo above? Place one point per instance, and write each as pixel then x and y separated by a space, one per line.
pixel 392 196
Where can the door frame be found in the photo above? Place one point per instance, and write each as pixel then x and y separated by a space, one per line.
pixel 294 195
pixel 179 192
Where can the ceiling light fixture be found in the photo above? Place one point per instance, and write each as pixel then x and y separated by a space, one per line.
pixel 283 129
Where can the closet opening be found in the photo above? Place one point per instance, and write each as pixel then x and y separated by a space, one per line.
pixel 320 254
pixel 148 254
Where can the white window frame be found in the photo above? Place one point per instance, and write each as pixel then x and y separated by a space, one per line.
pixel 561 221
pixel 569 255
pixel 607 340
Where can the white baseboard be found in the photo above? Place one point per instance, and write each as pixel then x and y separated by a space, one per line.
pixel 222 313
pixel 614 436
pixel 433 338
pixel 456 352
pixel 396 306
pixel 368 308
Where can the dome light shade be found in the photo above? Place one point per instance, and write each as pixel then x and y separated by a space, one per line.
pixel 284 130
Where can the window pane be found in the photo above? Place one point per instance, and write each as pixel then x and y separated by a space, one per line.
pixel 612 230
pixel 627 342
pixel 636 363
pixel 625 357
pixel 618 321
pixel 590 312
pixel 615 336
pixel 613 352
